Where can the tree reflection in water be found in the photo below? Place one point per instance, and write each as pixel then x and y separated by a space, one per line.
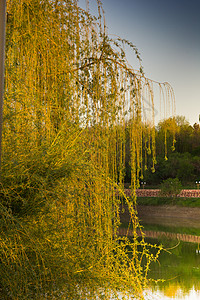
pixel 180 268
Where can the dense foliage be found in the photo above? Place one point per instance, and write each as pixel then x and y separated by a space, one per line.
pixel 69 93
pixel 170 187
pixel 179 157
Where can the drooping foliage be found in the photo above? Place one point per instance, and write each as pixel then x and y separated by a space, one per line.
pixel 182 160
pixel 69 94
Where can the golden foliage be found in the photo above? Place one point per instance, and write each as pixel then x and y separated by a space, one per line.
pixel 69 94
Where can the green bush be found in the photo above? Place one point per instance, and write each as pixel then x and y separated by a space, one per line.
pixel 170 187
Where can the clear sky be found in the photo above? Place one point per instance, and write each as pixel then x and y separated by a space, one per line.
pixel 167 34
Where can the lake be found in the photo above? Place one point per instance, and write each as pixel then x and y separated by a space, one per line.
pixel 179 265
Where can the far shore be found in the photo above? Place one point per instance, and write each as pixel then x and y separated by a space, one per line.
pixel 167 215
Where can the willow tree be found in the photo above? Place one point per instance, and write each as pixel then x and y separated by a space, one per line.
pixel 69 94
pixel 2 56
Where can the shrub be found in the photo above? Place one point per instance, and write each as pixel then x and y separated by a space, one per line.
pixel 170 187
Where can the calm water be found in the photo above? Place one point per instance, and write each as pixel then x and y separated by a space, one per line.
pixel 179 267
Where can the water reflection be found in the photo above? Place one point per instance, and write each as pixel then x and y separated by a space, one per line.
pixel 180 268
pixel 178 295
pixel 180 265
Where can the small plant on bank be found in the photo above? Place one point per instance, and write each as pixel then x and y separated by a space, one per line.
pixel 170 187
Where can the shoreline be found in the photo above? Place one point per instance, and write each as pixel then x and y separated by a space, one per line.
pixel 166 215
pixel 171 211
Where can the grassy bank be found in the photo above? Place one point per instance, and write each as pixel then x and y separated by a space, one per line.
pixel 183 202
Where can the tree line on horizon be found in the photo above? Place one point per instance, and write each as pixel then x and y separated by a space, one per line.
pixel 177 157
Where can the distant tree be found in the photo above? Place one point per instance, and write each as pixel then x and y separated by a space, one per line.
pixel 181 121
pixel 170 187
pixel 165 136
pixel 180 150
pixel 196 139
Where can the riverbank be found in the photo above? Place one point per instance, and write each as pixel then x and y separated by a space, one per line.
pixel 168 215
pixel 170 211
pixel 165 216
pixel 164 211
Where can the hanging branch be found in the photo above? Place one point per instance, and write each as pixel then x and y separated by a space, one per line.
pixel 2 58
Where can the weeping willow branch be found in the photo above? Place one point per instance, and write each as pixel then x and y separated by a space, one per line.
pixel 2 56
pixel 73 106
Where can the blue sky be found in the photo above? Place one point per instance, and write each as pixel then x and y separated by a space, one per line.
pixel 167 34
